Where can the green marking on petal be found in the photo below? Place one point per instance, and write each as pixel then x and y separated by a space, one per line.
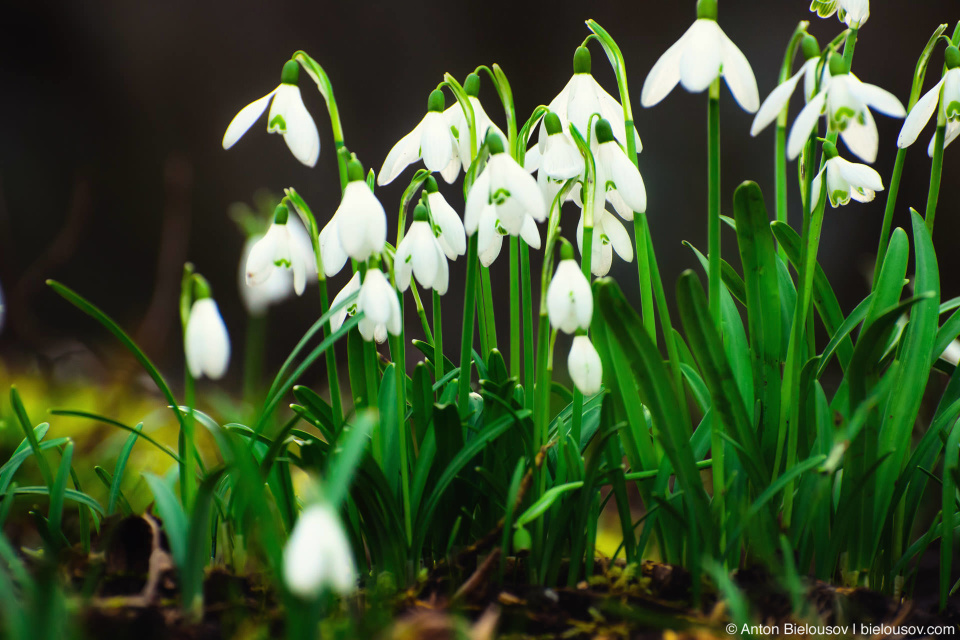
pixel 277 124
pixel 499 196
pixel 282 262
pixel 409 259
pixel 500 228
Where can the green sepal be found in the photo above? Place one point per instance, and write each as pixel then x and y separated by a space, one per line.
pixel 471 86
pixel 201 288
pixel 604 131
pixel 436 101
pixel 707 10
pixel 290 73
pixel 582 62
pixel 552 122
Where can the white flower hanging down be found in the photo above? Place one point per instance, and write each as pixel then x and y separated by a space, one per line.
pixel 779 97
pixel 580 99
pixel 584 366
pixel 380 306
pixel 288 117
pixel 618 180
pixel 946 94
pixel 278 286
pixel 561 160
pixel 447 223
pixel 846 103
pixel 569 298
pixel 351 287
pixel 845 180
pixel 318 555
pixel 609 236
pixel 421 256
pixel 206 342
pixel 279 247
pixel 358 229
pixel 699 57
pixel 430 140
pixel 853 12
pixel 503 200
pixel 456 119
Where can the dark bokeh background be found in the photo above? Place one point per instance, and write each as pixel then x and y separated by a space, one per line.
pixel 114 112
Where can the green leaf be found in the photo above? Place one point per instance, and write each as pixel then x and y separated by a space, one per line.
pixel 173 517
pixel 540 507
pixel 121 465
pixel 344 460
pixel 58 490
pixel 949 510
pixel 93 416
pixel 843 332
pixel 198 544
pixel 68 494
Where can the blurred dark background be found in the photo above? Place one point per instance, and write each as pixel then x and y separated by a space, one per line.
pixel 114 112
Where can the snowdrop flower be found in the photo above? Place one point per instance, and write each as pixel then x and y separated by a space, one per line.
pixel 431 140
pixel 206 343
pixel 699 57
pixel 446 222
pixel 351 309
pixel 584 366
pixel 358 229
pixel 420 255
pixel 257 298
pixel 609 235
pixel 279 247
pixel 503 200
pixel 318 555
pixel 561 159
pixel 845 180
pixel 779 97
pixel 945 93
pixel 288 117
pixel 569 298
pixel 581 98
pixel 853 12
pixel 381 307
pixel 618 179
pixel 846 102
pixel 457 120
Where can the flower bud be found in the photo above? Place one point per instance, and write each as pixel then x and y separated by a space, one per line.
pixel 707 10
pixel 581 60
pixel 522 541
pixel 290 73
pixel 810 47
pixel 201 288
pixel 471 85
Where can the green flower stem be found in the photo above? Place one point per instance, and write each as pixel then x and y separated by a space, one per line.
pixel 514 307
pixel 253 352
pixel 469 313
pixel 421 312
pixel 488 323
pixel 936 170
pixel 437 338
pixel 892 192
pixel 188 453
pixel 781 138
pixel 399 357
pixel 315 71
pixel 713 201
pixel 528 372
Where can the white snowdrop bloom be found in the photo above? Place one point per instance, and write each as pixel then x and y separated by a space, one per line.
pixel 430 140
pixel 279 247
pixel 358 229
pixel 581 98
pixel 609 235
pixel 257 298
pixel 569 298
pixel 845 180
pixel 421 256
pixel 699 57
pixel 584 366
pixel 618 179
pixel 952 353
pixel 381 307
pixel 318 555
pixel 503 200
pixel 351 287
pixel 780 97
pixel 288 117
pixel 945 94
pixel 852 12
pixel 846 102
pixel 560 162
pixel 447 224
pixel 206 343
pixel 457 120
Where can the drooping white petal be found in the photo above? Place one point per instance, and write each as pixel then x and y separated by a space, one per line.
pixel 351 287
pixel 625 175
pixel 436 142
pixel 774 103
pixel 531 159
pixel 450 172
pixel 665 74
pixel 300 132
pixel 815 187
pixel 530 233
pixel 442 282
pixel 809 71
pixel 862 138
pixel 331 251
pixel 402 155
pixel 206 342
pixel 489 240
pixel 859 175
pixel 855 12
pixel 838 188
pixel 623 210
pixel 452 238
pixel 521 185
pixel 804 124
pixel 702 56
pixel 569 299
pixel 477 200
pixel 739 75
pixel 584 366
pixel 260 261
pixel 362 226
pixel 879 99
pixel 562 159
pixel 245 119
pixel 617 235
pixel 318 555
pixel 919 116
pixel 612 111
pixel 403 263
pixel 257 298
pixel 426 256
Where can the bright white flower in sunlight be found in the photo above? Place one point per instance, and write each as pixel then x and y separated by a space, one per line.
pixel 618 179
pixel 257 298
pixel 569 298
pixel 845 180
pixel 288 117
pixel 280 247
pixel 561 159
pixel 358 229
pixel 421 256
pixel 846 102
pixel 584 366
pixel 349 310
pixel 780 96
pixel 206 343
pixel 609 235
pixel 503 200
pixel 580 99
pixel 318 555
pixel 852 12
pixel 699 57
pixel 945 93
pixel 447 224
pixel 455 118
pixel 381 307
pixel 430 140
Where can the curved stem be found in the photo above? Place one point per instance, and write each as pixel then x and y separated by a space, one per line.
pixel 713 200
pixel 780 156
pixel 936 170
